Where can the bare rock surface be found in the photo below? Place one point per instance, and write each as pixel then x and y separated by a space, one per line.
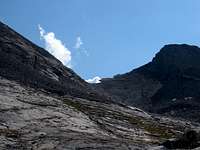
pixel 31 119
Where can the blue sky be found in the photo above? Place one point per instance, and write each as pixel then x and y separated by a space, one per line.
pixel 117 35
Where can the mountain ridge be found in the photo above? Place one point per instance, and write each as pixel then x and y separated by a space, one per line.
pixel 172 74
pixel 23 61
pixel 45 105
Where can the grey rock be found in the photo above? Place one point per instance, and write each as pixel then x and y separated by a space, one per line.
pixel 74 123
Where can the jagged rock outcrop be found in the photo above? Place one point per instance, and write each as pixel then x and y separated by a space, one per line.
pixel 169 84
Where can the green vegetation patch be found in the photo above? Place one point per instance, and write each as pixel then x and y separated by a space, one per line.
pixel 152 127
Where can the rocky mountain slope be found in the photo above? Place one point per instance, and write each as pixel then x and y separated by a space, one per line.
pixel 25 62
pixel 169 84
pixel 32 119
pixel 46 106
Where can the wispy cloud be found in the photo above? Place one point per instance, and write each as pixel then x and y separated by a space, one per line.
pixel 86 52
pixel 94 80
pixel 56 47
pixel 78 42
pixel 81 50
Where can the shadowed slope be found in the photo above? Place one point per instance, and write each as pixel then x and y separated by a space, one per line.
pixel 169 84
pixel 25 62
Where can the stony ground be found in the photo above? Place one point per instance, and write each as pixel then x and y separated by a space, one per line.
pixel 37 120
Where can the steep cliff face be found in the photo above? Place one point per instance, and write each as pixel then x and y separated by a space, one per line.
pixel 23 61
pixel 169 84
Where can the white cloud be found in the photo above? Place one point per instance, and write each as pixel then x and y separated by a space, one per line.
pixel 56 47
pixel 94 80
pixel 78 42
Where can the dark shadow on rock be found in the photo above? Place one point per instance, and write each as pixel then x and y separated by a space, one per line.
pixel 189 140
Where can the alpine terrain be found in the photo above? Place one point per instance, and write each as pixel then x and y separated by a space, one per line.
pixel 47 106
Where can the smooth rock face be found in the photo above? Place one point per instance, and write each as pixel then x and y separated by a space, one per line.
pixel 31 119
pixel 169 85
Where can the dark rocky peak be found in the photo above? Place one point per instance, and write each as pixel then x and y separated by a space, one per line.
pixel 171 61
pixel 182 56
pixel 169 84
pixel 23 61
pixel 177 58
